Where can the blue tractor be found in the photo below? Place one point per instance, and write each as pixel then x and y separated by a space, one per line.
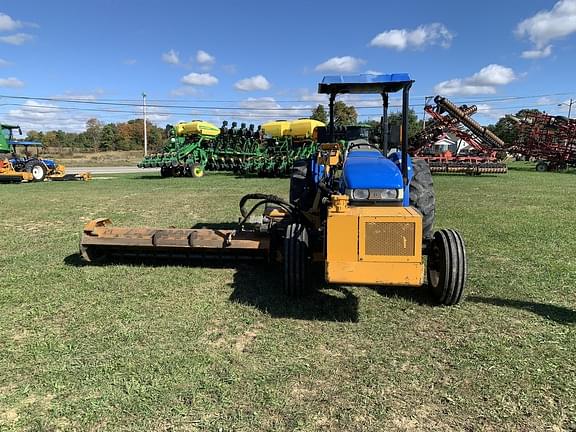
pixel 22 157
pixel 362 211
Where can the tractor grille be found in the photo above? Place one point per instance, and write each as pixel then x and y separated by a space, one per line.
pixel 389 238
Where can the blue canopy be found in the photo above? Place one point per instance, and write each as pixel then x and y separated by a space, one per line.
pixel 364 83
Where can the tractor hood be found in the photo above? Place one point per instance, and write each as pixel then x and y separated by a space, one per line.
pixel 369 169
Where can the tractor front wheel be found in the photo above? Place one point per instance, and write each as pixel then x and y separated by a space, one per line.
pixel 447 267
pixel 296 261
pixel 37 169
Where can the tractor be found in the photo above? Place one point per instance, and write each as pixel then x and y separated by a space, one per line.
pixel 363 213
pixel 22 165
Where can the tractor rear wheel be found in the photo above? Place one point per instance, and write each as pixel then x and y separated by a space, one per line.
pixel 37 169
pixel 296 261
pixel 447 267
pixel 422 195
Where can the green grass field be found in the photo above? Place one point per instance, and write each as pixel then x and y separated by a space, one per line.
pixel 174 348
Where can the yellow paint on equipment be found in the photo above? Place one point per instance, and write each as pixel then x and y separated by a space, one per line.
pixel 197 127
pixel 304 128
pixel 7 173
pixel 276 129
pixel 374 245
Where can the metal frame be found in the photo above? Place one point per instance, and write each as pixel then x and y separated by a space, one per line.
pixel 374 84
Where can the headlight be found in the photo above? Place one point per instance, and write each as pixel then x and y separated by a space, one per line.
pixel 375 194
pixel 360 194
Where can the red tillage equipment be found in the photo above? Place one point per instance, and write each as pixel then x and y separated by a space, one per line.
pixel 449 120
pixel 549 139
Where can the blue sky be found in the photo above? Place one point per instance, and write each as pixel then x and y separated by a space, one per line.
pixel 250 60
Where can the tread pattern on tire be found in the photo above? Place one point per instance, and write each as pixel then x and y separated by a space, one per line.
pixel 296 260
pixel 453 267
pixel 422 195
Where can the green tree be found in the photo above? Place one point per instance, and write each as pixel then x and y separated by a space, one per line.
pixel 109 138
pixel 506 127
pixel 93 131
pixel 414 124
pixel 344 115
pixel 319 113
pixel 33 135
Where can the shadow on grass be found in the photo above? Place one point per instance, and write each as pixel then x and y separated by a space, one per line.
pixel 559 314
pixel 419 295
pixel 260 287
pixel 258 284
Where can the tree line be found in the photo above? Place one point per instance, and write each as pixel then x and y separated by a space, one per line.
pixel 99 136
pixel 128 135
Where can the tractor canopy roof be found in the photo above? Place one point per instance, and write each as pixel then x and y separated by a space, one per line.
pixel 364 83
pixel 5 126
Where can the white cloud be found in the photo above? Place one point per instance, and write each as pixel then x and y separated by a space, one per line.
pixel 184 91
pixel 490 112
pixel 537 53
pixel 373 72
pixel 203 58
pixel 11 82
pixel 4 63
pixel 171 57
pixel 34 115
pixel 344 64
pixel 200 79
pixel 16 39
pixel 401 39
pixel 546 26
pixel 130 61
pixel 7 23
pixel 308 96
pixel 484 81
pixel 257 82
pixel 267 108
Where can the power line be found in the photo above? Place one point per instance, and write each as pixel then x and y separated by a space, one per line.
pixel 253 108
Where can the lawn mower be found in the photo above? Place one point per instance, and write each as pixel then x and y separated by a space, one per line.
pixel 364 213
pixel 20 165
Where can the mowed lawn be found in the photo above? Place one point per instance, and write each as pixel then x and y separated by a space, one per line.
pixel 140 347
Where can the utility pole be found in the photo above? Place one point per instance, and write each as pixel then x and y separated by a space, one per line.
pixel 569 105
pixel 145 121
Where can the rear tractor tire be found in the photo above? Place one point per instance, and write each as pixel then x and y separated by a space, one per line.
pixel 296 261
pixel 422 195
pixel 37 169
pixel 447 267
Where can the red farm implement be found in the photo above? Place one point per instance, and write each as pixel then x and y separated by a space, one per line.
pixel 474 148
pixel 551 140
